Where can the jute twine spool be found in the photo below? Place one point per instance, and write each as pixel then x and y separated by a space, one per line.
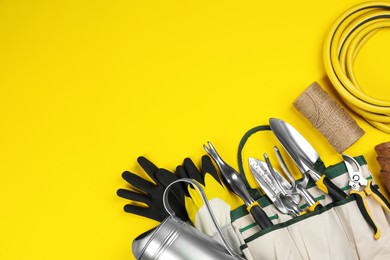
pixel 383 152
pixel 325 114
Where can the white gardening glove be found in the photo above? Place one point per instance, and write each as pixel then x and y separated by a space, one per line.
pixel 222 201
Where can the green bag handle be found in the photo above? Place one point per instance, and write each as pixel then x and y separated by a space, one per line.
pixel 253 192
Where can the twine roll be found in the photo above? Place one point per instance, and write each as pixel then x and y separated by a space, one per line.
pixel 325 114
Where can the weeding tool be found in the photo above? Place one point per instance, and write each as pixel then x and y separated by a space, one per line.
pixel 234 182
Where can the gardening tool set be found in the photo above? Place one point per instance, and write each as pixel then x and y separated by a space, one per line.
pixel 213 212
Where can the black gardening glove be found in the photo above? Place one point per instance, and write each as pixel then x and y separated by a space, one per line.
pixel 189 170
pixel 152 194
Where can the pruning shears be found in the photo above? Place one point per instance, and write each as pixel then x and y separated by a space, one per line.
pixel 360 189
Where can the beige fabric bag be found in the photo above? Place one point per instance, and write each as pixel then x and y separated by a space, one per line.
pixel 316 235
pixel 338 231
pixel 358 231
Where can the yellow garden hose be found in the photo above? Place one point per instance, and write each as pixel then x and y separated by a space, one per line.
pixel 342 44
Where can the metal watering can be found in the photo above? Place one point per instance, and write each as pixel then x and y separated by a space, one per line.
pixel 175 239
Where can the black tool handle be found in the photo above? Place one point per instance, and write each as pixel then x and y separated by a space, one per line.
pixel 331 189
pixel 260 217
pixel 385 203
pixel 366 214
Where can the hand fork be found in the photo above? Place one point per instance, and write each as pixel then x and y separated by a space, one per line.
pixel 298 186
pixel 285 196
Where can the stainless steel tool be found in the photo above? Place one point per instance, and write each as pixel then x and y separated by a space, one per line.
pixel 298 186
pixel 175 239
pixel 292 207
pixel 265 177
pixel 266 183
pixel 304 156
pixel 234 182
pixel 283 184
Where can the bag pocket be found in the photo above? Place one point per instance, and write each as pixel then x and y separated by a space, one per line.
pixel 337 231
pixel 357 230
pixel 315 235
pixel 359 233
pixel 320 235
pixel 272 243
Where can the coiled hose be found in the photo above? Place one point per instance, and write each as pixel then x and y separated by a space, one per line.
pixel 342 44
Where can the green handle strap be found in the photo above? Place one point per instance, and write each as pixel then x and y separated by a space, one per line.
pixel 253 192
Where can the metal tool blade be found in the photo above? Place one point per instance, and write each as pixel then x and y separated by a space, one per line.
pixel 304 156
pixel 266 184
pixel 229 175
pixel 288 132
pixel 237 185
pixel 272 188
pixel 355 177
pixel 290 139
pixel 263 178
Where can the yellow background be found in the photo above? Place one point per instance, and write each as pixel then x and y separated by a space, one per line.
pixel 88 86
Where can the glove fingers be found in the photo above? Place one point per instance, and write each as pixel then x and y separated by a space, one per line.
pixel 137 181
pixel 181 173
pixel 156 214
pixel 192 171
pixel 166 177
pixel 208 167
pixel 149 167
pixel 134 196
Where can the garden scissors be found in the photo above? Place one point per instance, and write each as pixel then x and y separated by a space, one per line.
pixel 360 189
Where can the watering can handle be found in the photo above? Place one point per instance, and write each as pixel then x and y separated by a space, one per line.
pixel 206 202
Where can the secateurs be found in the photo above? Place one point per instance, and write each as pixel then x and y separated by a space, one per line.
pixel 361 188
